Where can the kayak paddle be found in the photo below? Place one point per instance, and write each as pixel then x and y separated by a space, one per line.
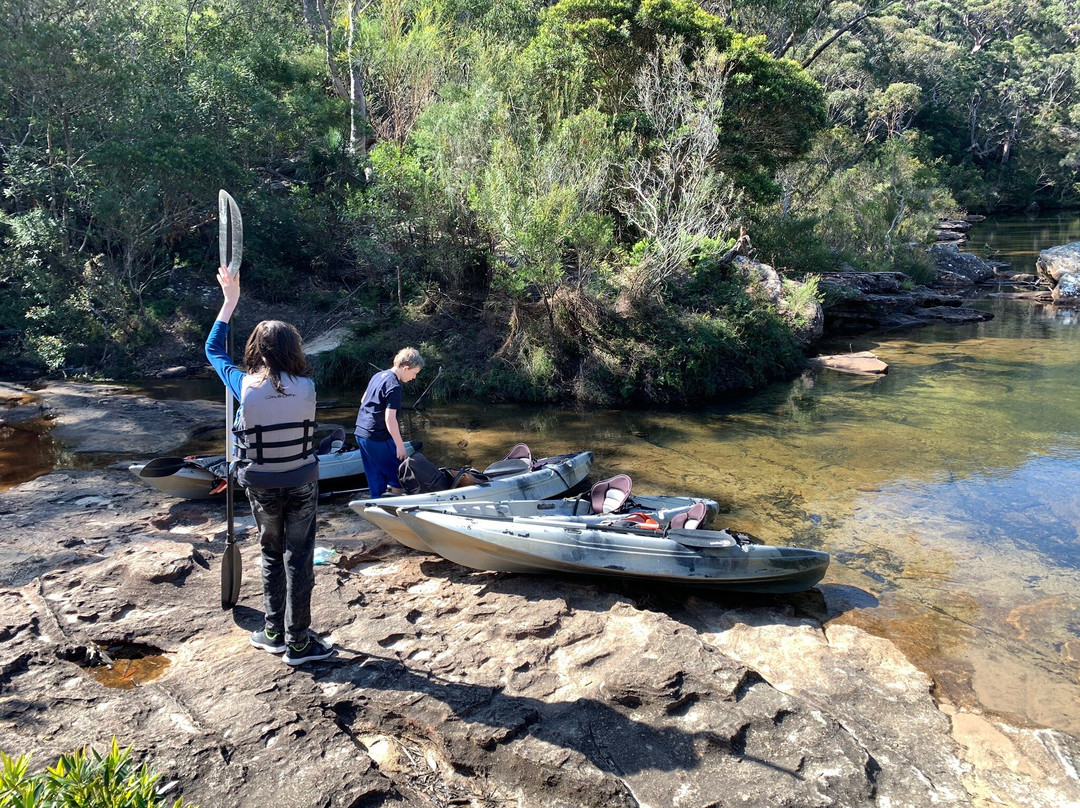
pixel 230 251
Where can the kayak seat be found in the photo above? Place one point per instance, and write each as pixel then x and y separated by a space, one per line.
pixel 519 459
pixel 332 443
pixel 691 518
pixel 520 452
pixel 607 496
pixel 504 467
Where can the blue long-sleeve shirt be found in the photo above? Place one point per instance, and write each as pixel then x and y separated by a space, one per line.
pixel 217 353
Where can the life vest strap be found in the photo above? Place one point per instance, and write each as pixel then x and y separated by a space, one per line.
pixel 252 439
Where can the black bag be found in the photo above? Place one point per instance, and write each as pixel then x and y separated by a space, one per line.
pixel 418 475
pixel 460 478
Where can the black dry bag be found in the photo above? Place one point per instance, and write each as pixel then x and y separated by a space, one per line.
pixel 418 475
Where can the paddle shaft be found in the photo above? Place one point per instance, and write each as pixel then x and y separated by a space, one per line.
pixel 230 448
pixel 231 248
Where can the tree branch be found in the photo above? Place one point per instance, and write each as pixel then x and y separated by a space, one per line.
pixel 841 31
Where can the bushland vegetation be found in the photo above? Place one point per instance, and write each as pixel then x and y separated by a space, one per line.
pixel 545 196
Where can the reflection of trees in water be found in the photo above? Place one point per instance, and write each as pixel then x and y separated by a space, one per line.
pixel 1065 315
pixel 801 407
pixel 1021 238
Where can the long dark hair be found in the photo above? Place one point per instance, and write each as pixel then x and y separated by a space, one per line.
pixel 275 347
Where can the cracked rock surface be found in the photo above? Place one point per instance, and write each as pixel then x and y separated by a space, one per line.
pixel 457 688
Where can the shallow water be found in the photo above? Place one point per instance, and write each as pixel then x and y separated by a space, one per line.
pixel 1019 239
pixel 945 490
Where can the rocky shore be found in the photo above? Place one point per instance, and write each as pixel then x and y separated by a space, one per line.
pixel 450 687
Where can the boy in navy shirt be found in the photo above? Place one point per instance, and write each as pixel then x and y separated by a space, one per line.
pixel 377 431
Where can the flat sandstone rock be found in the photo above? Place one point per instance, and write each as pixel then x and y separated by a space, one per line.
pixel 862 363
pixel 451 687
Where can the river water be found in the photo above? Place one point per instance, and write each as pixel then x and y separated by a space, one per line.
pixel 945 491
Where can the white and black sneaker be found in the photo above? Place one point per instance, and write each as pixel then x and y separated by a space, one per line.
pixel 272 641
pixel 310 650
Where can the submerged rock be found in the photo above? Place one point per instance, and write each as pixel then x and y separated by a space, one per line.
pixel 862 363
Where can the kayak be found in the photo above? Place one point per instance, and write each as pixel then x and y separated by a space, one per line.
pixel 535 479
pixel 656 510
pixel 716 559
pixel 203 477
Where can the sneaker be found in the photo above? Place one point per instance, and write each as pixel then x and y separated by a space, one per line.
pixel 272 641
pixel 310 650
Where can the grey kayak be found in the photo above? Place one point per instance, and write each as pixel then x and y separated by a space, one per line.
pixel 202 477
pixel 552 477
pixel 717 559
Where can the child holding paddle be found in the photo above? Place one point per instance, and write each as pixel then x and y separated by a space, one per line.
pixel 274 427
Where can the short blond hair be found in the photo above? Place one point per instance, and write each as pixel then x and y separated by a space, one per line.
pixel 408 358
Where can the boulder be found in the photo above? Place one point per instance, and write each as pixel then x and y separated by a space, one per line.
pixel 960 268
pixel 1068 288
pixel 765 283
pixel 1057 261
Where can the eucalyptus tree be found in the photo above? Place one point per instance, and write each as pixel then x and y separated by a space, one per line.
pixel 121 119
pixel 709 118
pixel 996 79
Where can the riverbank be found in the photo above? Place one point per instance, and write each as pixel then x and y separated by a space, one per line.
pixel 451 685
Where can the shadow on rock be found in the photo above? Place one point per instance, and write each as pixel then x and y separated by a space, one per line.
pixel 609 740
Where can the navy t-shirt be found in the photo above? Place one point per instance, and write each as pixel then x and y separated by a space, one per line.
pixel 383 393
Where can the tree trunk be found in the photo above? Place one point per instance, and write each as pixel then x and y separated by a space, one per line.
pixel 328 45
pixel 357 101
pixel 310 17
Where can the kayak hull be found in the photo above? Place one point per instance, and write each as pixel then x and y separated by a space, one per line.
pixel 543 546
pixel 553 478
pixel 191 479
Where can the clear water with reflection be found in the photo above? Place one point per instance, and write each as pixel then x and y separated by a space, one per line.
pixel 946 490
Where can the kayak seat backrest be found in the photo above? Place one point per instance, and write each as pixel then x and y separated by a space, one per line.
pixel 607 496
pixel 691 518
pixel 518 460
pixel 334 442
pixel 520 452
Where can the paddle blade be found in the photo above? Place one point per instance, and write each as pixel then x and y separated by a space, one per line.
pixel 230 233
pixel 702 539
pixel 231 569
pixel 163 467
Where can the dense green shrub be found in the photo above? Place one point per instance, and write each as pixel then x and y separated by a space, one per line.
pixel 84 778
